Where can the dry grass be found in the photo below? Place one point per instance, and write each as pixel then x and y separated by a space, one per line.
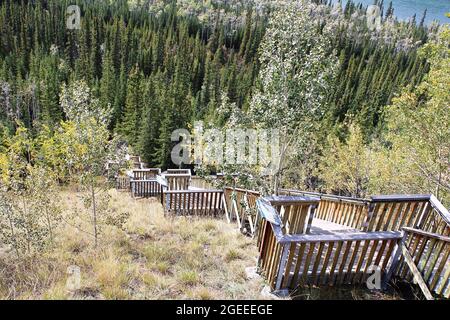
pixel 151 257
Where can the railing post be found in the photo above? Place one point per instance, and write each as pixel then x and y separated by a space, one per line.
pixel 282 266
pixel 395 262
pixel 312 210
pixel 424 215
pixel 370 216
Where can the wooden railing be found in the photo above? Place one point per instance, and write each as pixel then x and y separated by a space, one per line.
pixel 382 213
pixel 201 183
pixel 177 181
pixel 136 160
pixel 289 261
pixel 145 188
pixel 194 202
pixel 351 212
pixel 424 258
pixel 146 174
pixel 240 206
pixel 422 254
pixel 179 171
pixel 123 183
pixel 296 212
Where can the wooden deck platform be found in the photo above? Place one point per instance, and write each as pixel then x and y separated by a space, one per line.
pixel 307 238
pixel 322 227
pixel 331 253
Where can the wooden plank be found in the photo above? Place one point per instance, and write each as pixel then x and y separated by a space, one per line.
pixel 416 273
pixel 427 234
pixel 404 215
pixel 401 197
pixel 287 272
pixel 317 263
pixel 304 278
pixel 412 214
pixel 371 217
pixel 352 262
pixel 387 256
pixel 369 260
pixel 335 261
pixel 326 261
pixel 440 268
pixel 298 264
pixel 282 266
pixel 443 283
pixel 360 261
pixel 388 221
pixel 380 235
pixel 381 213
pixel 433 260
pixel 341 275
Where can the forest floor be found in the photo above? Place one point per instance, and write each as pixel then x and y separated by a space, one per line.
pixel 150 256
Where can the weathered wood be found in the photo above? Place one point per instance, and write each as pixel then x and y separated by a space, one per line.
pixel 315 258
pixel 401 197
pixel 123 183
pixel 427 234
pixel 179 171
pixel 177 181
pixel 380 235
pixel 146 174
pixel 416 273
pixel 194 202
pixel 296 212
pixel 242 208
pixel 430 254
pixel 145 188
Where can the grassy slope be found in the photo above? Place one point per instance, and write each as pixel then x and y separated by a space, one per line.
pixel 152 257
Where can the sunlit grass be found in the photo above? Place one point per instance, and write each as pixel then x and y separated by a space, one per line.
pixel 152 257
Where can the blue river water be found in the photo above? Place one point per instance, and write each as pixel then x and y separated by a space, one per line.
pixel 404 9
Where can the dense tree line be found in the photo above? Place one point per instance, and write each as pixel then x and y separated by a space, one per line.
pixel 161 70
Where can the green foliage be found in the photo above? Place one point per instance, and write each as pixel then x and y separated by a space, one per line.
pixel 346 166
pixel 28 201
pixel 296 71
pixel 418 122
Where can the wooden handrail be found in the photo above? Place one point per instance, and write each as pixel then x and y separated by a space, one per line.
pixel 400 197
pixel 285 200
pixel 427 234
pixel 243 190
pixel 439 207
pixel 148 170
pixel 377 235
pixel 179 171
pixel 174 175
pixel 326 196
pixel 193 191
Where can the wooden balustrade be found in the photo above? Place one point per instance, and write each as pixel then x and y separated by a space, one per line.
pixel 146 174
pixel 291 260
pixel 177 181
pixel 346 211
pixel 194 202
pixel 145 188
pixel 123 183
pixel 424 258
pixel 179 171
pixel 296 212
pixel 382 213
pixel 240 206
pixel 201 183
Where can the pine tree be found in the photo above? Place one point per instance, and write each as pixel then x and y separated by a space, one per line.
pixel 131 121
